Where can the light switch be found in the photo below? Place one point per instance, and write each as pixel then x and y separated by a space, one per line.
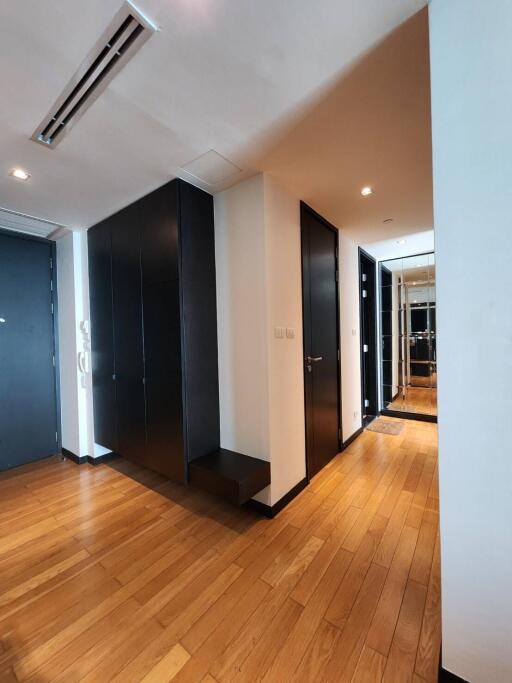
pixel 290 333
pixel 279 332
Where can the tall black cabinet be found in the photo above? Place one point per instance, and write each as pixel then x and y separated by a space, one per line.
pixel 154 330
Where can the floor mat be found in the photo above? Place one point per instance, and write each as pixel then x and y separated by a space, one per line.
pixel 385 427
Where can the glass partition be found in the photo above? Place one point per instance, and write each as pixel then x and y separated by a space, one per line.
pixel 408 334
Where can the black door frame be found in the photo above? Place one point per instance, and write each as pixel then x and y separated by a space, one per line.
pixel 304 208
pixel 420 417
pixel 362 254
pixel 55 300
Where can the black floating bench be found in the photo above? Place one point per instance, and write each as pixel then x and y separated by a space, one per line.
pixel 232 476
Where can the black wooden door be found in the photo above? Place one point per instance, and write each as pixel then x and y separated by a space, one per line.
pixel 102 339
pixel 368 315
pixel 28 409
pixel 162 333
pixel 128 339
pixel 321 340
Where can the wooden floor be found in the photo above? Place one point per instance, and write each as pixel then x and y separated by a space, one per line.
pixel 417 400
pixel 110 573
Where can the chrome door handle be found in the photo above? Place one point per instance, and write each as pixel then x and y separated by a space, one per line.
pixel 313 359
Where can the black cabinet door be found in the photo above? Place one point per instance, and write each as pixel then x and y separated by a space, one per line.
pixel 128 340
pixel 102 341
pixel 162 333
pixel 199 304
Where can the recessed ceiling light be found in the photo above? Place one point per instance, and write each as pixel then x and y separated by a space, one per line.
pixel 19 173
pixel 388 220
pixel 401 241
pixel 366 191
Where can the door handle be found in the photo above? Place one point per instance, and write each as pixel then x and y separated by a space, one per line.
pixel 310 360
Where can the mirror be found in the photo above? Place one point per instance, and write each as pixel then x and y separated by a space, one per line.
pixel 408 334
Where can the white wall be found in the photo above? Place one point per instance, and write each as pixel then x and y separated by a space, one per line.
pixel 70 418
pixel 285 356
pixel 240 255
pixel 350 347
pixel 472 147
pixel 75 387
pixel 257 249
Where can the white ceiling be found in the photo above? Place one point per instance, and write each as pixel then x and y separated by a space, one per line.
pixel 404 246
pixel 326 95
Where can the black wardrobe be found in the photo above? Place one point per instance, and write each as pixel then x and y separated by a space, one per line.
pixel 154 330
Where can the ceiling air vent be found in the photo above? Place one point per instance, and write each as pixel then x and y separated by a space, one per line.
pixel 20 222
pixel 126 34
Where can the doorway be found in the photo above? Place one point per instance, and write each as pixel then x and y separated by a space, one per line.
pixel 368 315
pixel 321 339
pixel 28 388
pixel 408 337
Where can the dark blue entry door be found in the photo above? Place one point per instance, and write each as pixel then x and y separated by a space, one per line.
pixel 28 411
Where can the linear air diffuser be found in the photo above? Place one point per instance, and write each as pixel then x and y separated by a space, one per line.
pixel 123 37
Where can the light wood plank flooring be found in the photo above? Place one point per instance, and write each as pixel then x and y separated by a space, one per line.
pixel 111 573
pixel 418 400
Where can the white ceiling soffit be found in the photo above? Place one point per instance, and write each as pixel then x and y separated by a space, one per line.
pixel 235 77
pixel 9 220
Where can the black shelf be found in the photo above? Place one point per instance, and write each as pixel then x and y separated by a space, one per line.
pixel 232 476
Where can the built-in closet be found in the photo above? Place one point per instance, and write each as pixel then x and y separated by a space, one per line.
pixel 154 342
pixel 154 329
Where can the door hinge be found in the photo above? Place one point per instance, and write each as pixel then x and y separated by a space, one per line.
pixel 114 377
pixel 363 277
pixel 339 355
pixel 51 285
pixel 366 403
pixel 53 360
pixel 51 263
pixel 365 293
pixel 337 275
pixel 339 433
pixel 51 306
pixel 365 348
pixel 56 437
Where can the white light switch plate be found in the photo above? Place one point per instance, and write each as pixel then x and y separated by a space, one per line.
pixel 290 333
pixel 279 332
